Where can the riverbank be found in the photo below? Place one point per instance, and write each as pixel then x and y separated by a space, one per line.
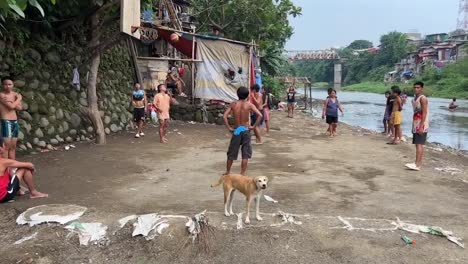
pixel 346 192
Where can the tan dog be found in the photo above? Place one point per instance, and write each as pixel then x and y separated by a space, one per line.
pixel 249 186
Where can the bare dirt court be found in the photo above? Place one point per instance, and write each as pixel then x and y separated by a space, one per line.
pixel 355 176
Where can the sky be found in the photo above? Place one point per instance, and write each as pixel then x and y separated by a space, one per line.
pixel 336 23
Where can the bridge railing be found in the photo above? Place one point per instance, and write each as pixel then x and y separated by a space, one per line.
pixel 312 55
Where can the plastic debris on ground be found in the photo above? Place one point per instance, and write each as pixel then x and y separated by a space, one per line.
pixel 194 224
pixel 149 226
pixel 286 218
pixel 123 221
pixel 88 232
pixel 52 213
pixel 25 239
pixel 434 230
pixel 240 224
pixel 450 170
pixel 269 199
pixel 408 240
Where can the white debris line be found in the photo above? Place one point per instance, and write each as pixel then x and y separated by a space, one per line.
pixel 240 224
pixel 450 170
pixel 25 239
pixel 349 226
pixel 53 213
pixel 194 224
pixel 286 218
pixel 269 199
pixel 434 230
pixel 88 232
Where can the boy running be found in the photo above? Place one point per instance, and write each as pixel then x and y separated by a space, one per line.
pixel 162 103
pixel 10 102
pixel 241 110
pixel 396 116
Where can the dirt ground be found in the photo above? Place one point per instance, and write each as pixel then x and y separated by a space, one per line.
pixel 354 176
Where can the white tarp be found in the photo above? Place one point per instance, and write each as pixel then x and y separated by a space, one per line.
pixel 224 68
pixel 51 213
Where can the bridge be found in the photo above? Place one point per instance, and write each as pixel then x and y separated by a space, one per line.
pixel 319 55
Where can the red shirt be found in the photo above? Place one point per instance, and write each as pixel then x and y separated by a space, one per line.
pixel 4 182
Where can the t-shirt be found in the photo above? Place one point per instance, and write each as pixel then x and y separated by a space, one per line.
pixel 4 182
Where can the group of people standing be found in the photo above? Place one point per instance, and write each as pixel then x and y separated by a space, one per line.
pixel 392 120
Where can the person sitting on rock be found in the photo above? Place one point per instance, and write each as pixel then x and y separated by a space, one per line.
pixel 11 180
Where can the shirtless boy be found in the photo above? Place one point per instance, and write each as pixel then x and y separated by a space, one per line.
pixel 257 100
pixel 241 110
pixel 10 102
pixel 10 183
pixel 162 103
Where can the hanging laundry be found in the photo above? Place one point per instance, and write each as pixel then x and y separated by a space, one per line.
pixel 76 78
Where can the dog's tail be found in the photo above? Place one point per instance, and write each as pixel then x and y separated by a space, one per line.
pixel 221 179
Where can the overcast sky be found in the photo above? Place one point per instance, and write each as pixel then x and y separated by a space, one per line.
pixel 333 23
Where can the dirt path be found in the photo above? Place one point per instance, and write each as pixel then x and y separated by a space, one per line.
pixel 355 176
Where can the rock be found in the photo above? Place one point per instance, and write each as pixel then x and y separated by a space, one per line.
pixel 73 132
pixel 60 139
pixel 60 129
pixel 25 115
pixel 36 117
pixel 41 144
pixel 75 120
pixel 46 75
pixel 107 120
pixel 39 133
pixel 28 145
pixel 102 113
pixel 90 129
pixel 43 110
pixel 83 132
pixel 51 131
pixel 83 102
pixel 123 118
pixel 52 57
pixel 69 139
pixel 34 84
pixel 114 128
pixel 107 131
pixel 52 119
pixel 20 136
pixel 50 96
pixel 67 116
pixel 23 147
pixel 115 117
pixel 49 147
pixel 35 141
pixel 28 94
pixel 24 106
pixel 83 95
pixel 43 122
pixel 20 83
pixel 65 126
pixel 73 95
pixel 24 125
pixel 33 108
pixel 59 114
pixel 29 74
pixel 44 87
pixel 35 55
pixel 54 141
pixel 113 100
pixel 83 137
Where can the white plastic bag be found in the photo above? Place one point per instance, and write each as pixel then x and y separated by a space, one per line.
pixel 154 116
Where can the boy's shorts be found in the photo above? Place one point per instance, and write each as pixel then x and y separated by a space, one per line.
pixel 419 139
pixel 12 189
pixel 242 140
pixel 138 114
pixel 10 128
pixel 395 118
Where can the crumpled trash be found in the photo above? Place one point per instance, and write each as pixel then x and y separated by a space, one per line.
pixel 149 226
pixel 450 170
pixel 434 230
pixel 25 239
pixel 52 213
pixel 286 218
pixel 194 224
pixel 269 199
pixel 88 232
pixel 191 122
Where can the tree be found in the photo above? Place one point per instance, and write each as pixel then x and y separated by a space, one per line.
pixel 15 8
pixel 393 47
pixel 360 44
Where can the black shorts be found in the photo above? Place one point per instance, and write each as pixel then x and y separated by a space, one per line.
pixel 419 139
pixel 138 114
pixel 242 140
pixel 332 119
pixel 12 189
pixel 253 118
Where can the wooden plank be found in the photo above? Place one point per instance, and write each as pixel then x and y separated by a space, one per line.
pixel 168 59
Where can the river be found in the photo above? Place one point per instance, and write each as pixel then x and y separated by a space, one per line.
pixel 366 110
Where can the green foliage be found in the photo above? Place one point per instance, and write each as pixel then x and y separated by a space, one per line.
pixel 393 47
pixel 13 9
pixel 275 85
pixel 360 44
pixel 317 71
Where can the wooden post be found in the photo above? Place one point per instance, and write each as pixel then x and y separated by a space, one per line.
pixel 193 69
pixel 250 66
pixel 305 95
pixel 310 92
